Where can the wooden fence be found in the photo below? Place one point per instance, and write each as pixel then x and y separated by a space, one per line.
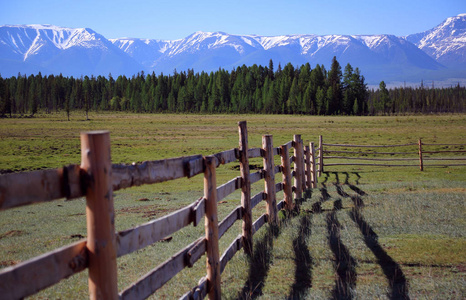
pixel 417 151
pixel 96 179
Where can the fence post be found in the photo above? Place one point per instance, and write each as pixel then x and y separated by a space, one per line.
pixel 287 187
pixel 321 157
pixel 245 187
pixel 421 164
pixel 269 179
pixel 211 229
pixel 308 166
pixel 298 166
pixel 101 239
pixel 313 166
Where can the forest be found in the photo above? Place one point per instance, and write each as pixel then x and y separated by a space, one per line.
pixel 253 89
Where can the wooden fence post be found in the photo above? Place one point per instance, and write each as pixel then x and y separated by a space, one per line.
pixel 313 166
pixel 421 163
pixel 321 157
pixel 101 239
pixel 269 179
pixel 211 229
pixel 308 166
pixel 245 187
pixel 298 166
pixel 287 186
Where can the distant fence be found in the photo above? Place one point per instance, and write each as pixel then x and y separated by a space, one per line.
pixel 96 179
pixel 412 149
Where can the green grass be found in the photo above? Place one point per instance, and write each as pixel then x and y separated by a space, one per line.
pixel 418 217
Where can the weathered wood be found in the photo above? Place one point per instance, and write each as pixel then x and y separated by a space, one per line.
pixel 286 175
pixel 276 151
pixel 277 169
pixel 256 176
pixel 199 211
pixel 366 153
pixel 19 189
pixel 254 152
pixel 321 157
pixel 197 293
pixel 146 234
pixel 439 158
pixel 298 166
pixel 369 146
pixel 230 252
pixel 245 188
pixel 148 172
pixel 307 167
pixel 228 188
pixel 226 157
pixel 278 187
pixel 157 277
pixel 195 252
pixel 259 223
pixel 38 273
pixel 257 198
pixel 211 228
pixel 229 220
pixel 287 145
pixel 313 166
pixel 269 179
pixel 370 158
pixel 443 144
pixel 444 151
pixel 445 165
pixel 194 165
pixel 101 239
pixel 362 164
pixel 421 165
pixel 281 205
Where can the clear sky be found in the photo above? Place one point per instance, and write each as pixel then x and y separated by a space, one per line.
pixel 171 19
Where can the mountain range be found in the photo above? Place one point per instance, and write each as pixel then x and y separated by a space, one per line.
pixel 437 54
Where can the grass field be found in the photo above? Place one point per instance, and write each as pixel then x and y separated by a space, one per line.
pixel 365 232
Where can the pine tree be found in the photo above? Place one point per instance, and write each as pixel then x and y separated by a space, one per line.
pixel 334 82
pixel 321 101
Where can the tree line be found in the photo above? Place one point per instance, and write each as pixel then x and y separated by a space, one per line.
pixel 254 89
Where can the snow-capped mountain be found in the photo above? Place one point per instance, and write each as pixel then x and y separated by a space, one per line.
pixel 53 50
pixel 378 56
pixel 446 43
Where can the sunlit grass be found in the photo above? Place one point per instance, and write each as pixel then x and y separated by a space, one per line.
pixel 419 217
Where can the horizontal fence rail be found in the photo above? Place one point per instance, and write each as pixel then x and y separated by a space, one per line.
pixel 96 179
pixel 417 151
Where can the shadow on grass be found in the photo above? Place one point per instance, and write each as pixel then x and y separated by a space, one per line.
pixel 351 186
pixel 303 260
pixel 393 273
pixel 259 264
pixel 324 192
pixel 344 264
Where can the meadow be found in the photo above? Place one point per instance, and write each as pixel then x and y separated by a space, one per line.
pixel 366 232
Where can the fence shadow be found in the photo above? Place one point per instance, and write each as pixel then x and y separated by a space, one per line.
pixel 344 264
pixel 259 264
pixel 324 192
pixel 303 259
pixel 396 279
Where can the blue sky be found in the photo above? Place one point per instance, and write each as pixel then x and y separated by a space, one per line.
pixel 171 19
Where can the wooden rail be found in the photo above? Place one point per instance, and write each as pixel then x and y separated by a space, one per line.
pixel 417 155
pixel 96 179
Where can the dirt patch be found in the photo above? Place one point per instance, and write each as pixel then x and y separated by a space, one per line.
pixel 460 268
pixel 11 233
pixel 8 263
pixel 146 211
